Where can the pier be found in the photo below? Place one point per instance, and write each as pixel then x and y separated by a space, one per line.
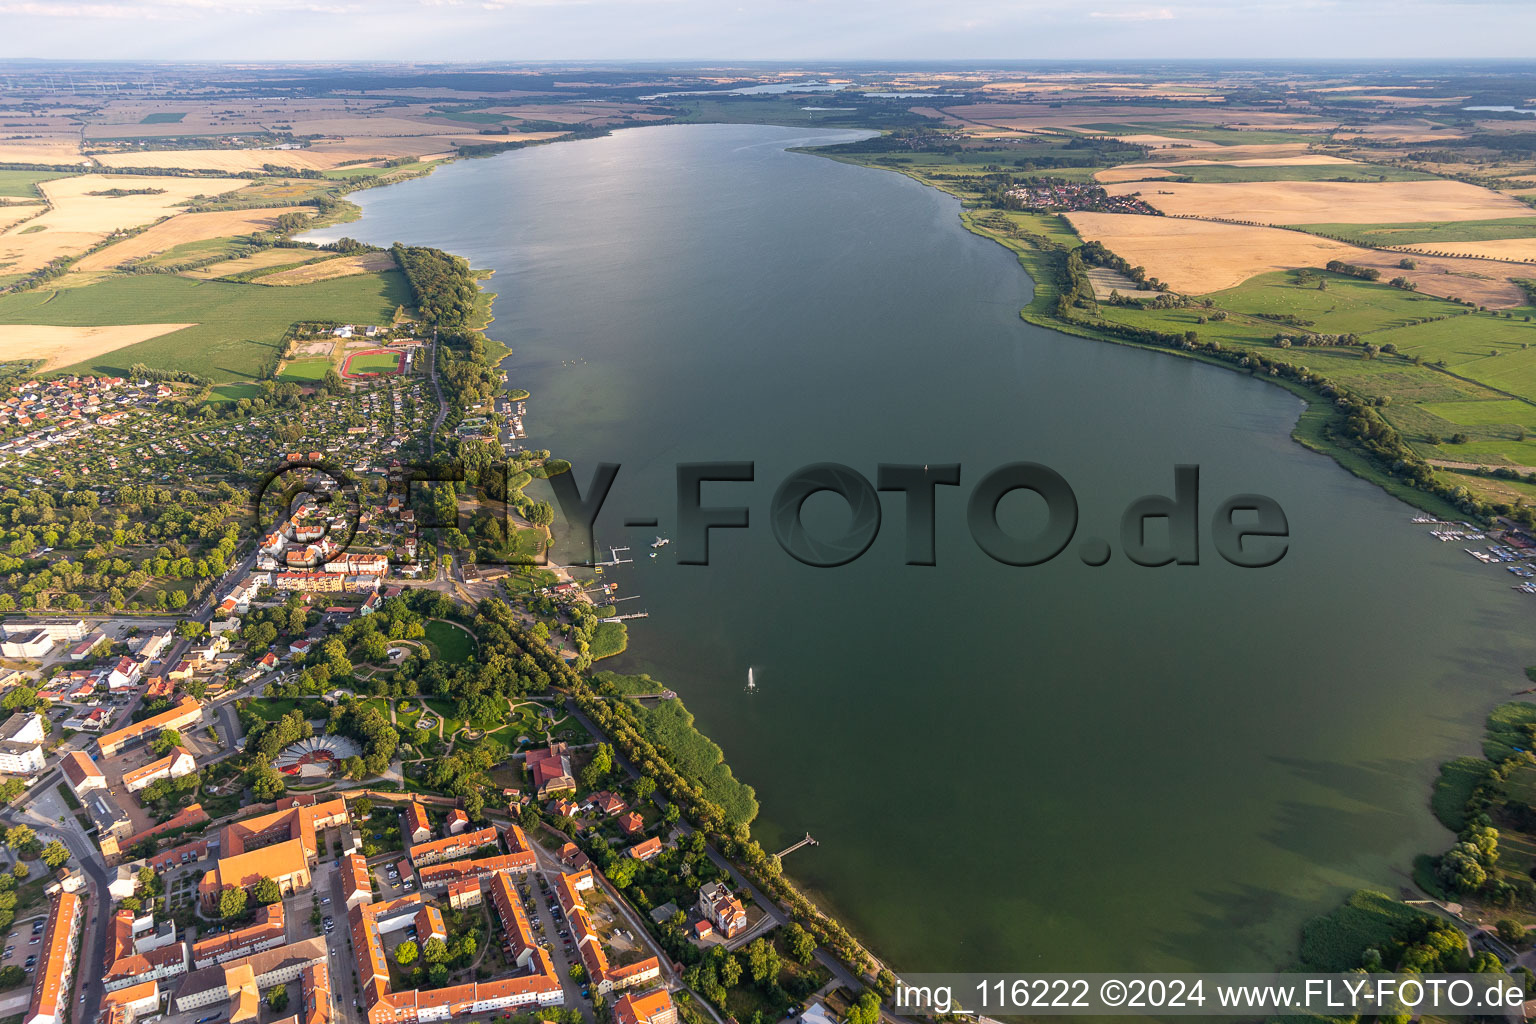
pixel 631 615
pixel 807 841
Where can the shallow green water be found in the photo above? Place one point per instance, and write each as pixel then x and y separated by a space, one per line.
pixel 1054 767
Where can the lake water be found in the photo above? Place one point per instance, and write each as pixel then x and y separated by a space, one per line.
pixel 1057 767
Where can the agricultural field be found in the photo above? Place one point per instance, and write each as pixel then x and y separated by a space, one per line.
pixel 1430 233
pixel 23 184
pixel 265 259
pixel 1345 306
pixel 330 269
pixel 87 208
pixel 1197 256
pixel 1308 202
pixel 62 346
pixel 1298 170
pixel 237 329
pixel 180 230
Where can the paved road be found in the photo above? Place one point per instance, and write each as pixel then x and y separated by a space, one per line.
pixel 42 809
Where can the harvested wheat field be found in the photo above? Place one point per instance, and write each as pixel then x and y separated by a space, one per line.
pixel 1131 172
pixel 15 214
pixel 76 209
pixel 60 149
pixel 1196 257
pixel 230 161
pixel 1329 202
pixel 256 261
pixel 79 220
pixel 186 227
pixel 325 270
pixel 65 346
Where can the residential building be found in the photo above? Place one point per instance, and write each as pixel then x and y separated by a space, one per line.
pixel 21 744
pixel 266 933
pixel 125 673
pixel 645 850
pixel 238 982
pixel 129 965
pixel 356 881
pixel 56 961
pixel 653 1007
pixel 722 909
pixel 453 847
pixel 464 894
pixel 417 825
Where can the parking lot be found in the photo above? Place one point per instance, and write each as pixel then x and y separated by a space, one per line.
pixel 23 942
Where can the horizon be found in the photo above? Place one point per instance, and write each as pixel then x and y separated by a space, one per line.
pixel 798 31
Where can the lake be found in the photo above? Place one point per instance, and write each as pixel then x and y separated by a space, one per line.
pixel 1058 767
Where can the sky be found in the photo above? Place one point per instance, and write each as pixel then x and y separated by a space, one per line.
pixel 792 30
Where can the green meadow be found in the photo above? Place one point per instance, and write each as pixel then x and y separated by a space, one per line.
pixel 23 184
pixel 1346 305
pixel 238 328
pixel 1427 232
pixel 1218 173
pixel 164 117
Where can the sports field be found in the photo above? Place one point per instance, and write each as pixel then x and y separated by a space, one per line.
pixel 374 363
pixel 304 370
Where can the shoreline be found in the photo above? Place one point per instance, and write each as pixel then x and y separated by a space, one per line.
pixel 787 896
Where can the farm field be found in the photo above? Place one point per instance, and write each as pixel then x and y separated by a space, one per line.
pixel 326 270
pixel 1347 306
pixel 1428 233
pixel 1197 257
pixel 60 346
pixel 1305 202
pixel 1296 169
pixel 79 220
pixel 23 184
pixel 179 230
pixel 262 260
pixel 238 328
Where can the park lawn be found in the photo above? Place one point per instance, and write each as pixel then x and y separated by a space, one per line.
pixel 450 643
pixel 239 327
pixel 1426 232
pixel 1224 173
pixel 273 708
pixel 23 184
pixel 1347 306
pixel 444 709
pixel 305 370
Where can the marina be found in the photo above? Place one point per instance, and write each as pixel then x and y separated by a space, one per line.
pixel 1513 547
